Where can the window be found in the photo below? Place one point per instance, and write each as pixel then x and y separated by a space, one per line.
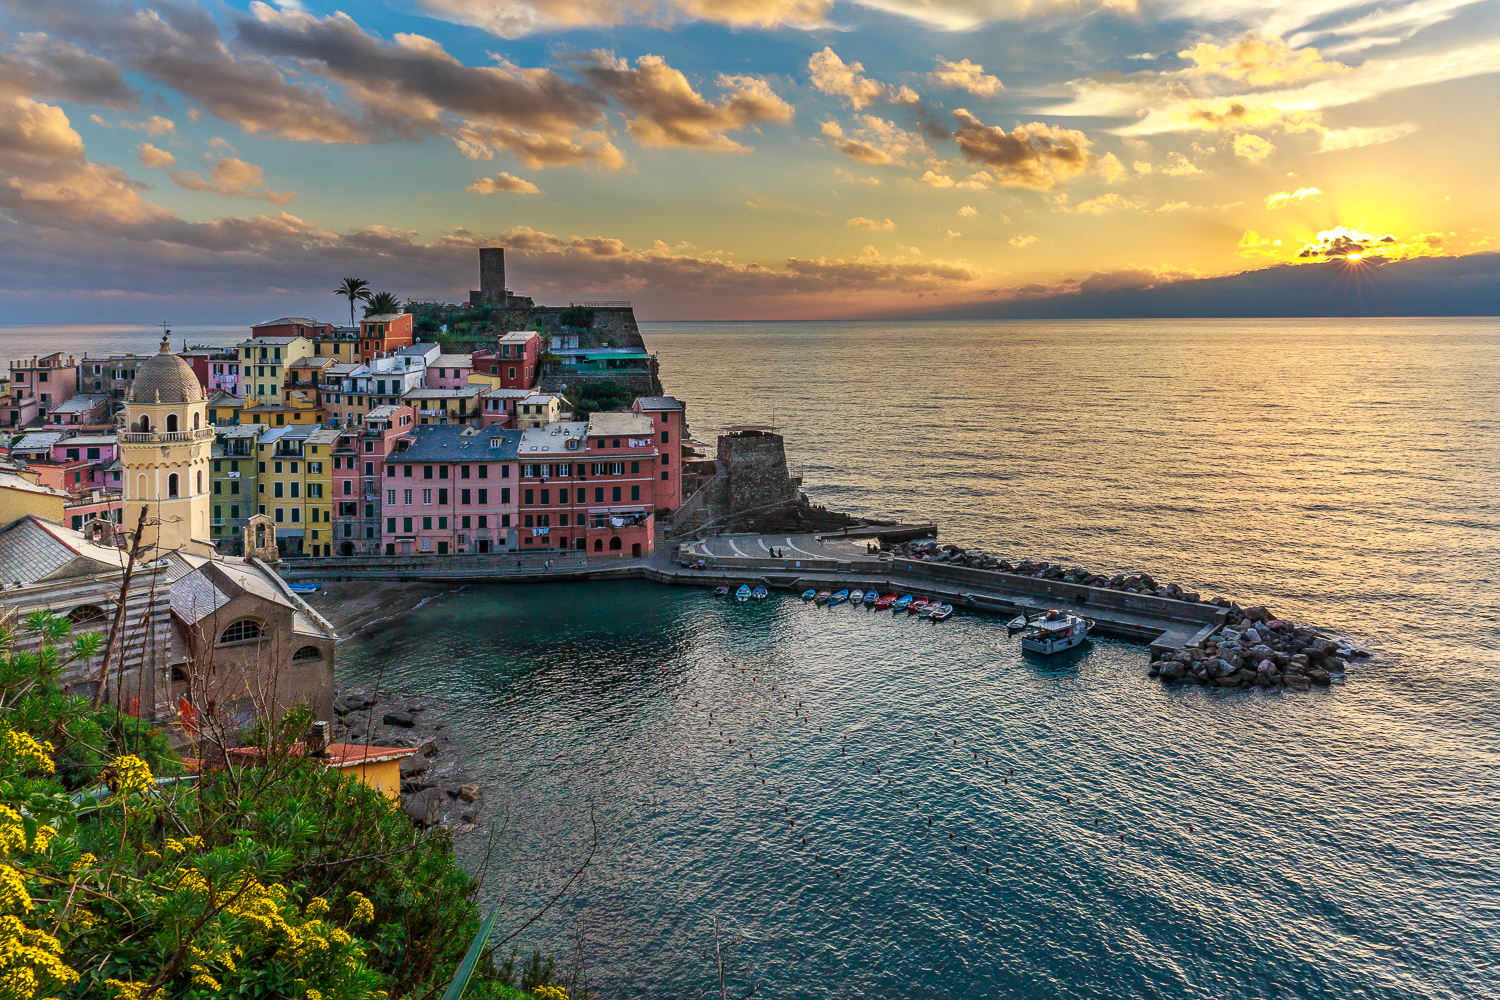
pixel 315 490
pixel 635 493
pixel 529 498
pixel 296 489
pixel 563 520
pixel 504 472
pixel 664 460
pixel 406 497
pixel 234 512
pixel 218 486
pixel 463 472
pixel 442 524
pixel 546 497
pixel 406 525
pixel 426 524
pixel 484 472
pixel 505 495
pixel 598 494
pixel 426 472
pixel 616 495
pixel 280 514
pixel 276 467
pixel 484 522
pixel 635 468
pixel 406 472
pixel 171 422
pixel 390 497
pixel 529 471
pixel 505 520
pixel 530 521
pixel 242 631
pixel 427 496
pixel 664 434
pixel 463 496
pixel 664 475
pixel 442 472
pixel 86 614
pixel 277 490
pixel 564 470
pixel 484 497
pixel 466 521
pixel 297 515
pixel 390 525
pixel 172 485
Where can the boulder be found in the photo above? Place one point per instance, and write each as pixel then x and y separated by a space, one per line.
pixel 413 765
pixel 1297 682
pixel 429 748
pixel 1320 678
pixel 469 793
pixel 1259 613
pixel 424 807
pixel 401 719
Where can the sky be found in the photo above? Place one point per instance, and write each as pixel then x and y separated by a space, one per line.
pixel 727 159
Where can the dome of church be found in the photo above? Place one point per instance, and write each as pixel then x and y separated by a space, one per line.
pixel 165 378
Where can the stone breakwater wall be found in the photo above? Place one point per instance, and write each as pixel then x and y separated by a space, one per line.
pixel 1269 653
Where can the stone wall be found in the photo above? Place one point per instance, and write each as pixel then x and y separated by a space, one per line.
pixel 755 464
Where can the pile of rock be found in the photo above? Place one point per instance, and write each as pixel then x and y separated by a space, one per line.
pixel 1266 652
pixel 436 790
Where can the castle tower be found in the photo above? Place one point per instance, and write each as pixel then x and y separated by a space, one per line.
pixel 165 449
pixel 492 272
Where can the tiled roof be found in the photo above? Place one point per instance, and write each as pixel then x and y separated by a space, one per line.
pixel 438 443
pixel 658 403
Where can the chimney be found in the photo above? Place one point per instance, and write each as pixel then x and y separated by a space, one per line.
pixel 317 740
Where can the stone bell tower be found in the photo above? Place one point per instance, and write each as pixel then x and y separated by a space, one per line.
pixel 165 447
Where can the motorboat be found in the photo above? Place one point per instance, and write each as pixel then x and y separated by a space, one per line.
pixel 304 588
pixel 1055 631
pixel 823 597
pixel 743 594
pixel 918 606
pixel 902 603
pixel 760 593
pixel 941 613
pixel 1017 623
pixel 872 597
pixel 856 596
pixel 839 597
pixel 884 602
pixel 809 594
pixel 722 590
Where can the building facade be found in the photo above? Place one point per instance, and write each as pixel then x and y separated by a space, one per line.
pixel 451 489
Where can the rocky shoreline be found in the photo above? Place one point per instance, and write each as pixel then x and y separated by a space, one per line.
pixel 436 788
pixel 1255 648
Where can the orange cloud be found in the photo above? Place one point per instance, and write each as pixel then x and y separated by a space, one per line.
pixel 1261 61
pixel 965 75
pixel 860 222
pixel 1033 156
pixel 833 76
pixel 503 181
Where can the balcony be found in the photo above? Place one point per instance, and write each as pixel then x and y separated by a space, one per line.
pixel 165 437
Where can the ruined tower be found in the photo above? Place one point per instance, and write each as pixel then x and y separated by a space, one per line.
pixel 492 272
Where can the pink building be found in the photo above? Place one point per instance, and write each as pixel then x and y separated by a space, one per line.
pixel 515 359
pixel 451 489
pixel 449 371
pixel 100 448
pixel 216 370
pixel 359 458
pixel 84 410
pixel 82 508
pixel 498 406
pixel 668 418
pixel 293 326
pixel 46 381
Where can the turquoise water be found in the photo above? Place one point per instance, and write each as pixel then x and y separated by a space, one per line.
pixel 1343 841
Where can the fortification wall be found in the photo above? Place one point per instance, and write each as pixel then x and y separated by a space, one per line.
pixel 755 464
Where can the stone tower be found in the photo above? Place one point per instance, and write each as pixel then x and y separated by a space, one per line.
pixel 492 272
pixel 165 448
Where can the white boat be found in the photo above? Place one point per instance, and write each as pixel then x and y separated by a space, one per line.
pixel 743 594
pixel 856 596
pixel 760 593
pixel 1017 623
pixel 1055 631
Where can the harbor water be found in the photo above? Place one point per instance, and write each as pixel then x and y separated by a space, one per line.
pixel 1151 842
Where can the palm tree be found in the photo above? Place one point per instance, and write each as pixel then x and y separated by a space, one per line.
pixel 354 289
pixel 381 303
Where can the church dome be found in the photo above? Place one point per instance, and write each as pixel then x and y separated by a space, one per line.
pixel 165 378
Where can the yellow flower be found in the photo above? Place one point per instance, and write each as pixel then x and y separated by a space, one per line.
pixel 13 894
pixel 317 906
pixel 364 910
pixel 85 860
pixel 134 774
pixel 550 993
pixel 26 751
pixel 314 995
pixel 29 960
pixel 125 991
pixel 203 980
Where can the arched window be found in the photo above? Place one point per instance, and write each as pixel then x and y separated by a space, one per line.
pixel 90 615
pixel 197 421
pixel 598 545
pixel 614 544
pixel 200 482
pixel 307 653
pixel 242 631
pixel 144 424
pixel 260 536
pixel 172 485
pixel 171 422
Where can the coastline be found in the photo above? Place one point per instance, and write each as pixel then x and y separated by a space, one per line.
pixel 356 606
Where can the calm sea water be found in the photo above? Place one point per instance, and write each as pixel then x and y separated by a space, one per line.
pixel 1343 842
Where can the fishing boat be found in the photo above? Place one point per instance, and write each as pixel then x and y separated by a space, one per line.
pixel 809 594
pixel 871 597
pixel 856 596
pixel 1017 623
pixel 918 606
pixel 1054 632
pixel 760 593
pixel 722 590
pixel 885 602
pixel 902 603
pixel 839 598
pixel 823 597
pixel 304 588
pixel 941 613
pixel 743 594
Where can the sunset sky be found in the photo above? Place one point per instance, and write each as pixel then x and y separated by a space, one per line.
pixel 725 158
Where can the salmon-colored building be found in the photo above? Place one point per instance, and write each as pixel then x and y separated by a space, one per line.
pixel 668 418
pixel 383 333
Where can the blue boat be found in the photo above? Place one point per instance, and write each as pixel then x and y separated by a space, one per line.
pixel 839 597
pixel 760 593
pixel 743 594
pixel 901 603
pixel 871 596
pixel 304 588
pixel 809 594
pixel 722 590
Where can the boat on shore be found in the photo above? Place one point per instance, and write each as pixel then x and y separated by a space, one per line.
pixel 1017 623
pixel 822 597
pixel 856 596
pixel 902 603
pixel 304 588
pixel 917 606
pixel 1054 632
pixel 941 613
pixel 885 602
pixel 872 598
pixel 722 590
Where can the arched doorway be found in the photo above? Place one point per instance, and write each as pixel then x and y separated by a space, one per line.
pixel 347 549
pixel 598 545
pixel 615 544
pixel 171 422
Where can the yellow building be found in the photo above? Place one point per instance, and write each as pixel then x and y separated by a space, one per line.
pixel 294 487
pixel 263 364
pixel 296 407
pixel 20 497
pixel 446 406
pixel 317 453
pixel 224 409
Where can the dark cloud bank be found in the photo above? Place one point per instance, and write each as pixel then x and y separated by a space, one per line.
pixel 1425 286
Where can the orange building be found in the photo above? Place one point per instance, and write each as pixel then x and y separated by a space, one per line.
pixel 384 333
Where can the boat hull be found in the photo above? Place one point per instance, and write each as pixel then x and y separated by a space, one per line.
pixel 1052 644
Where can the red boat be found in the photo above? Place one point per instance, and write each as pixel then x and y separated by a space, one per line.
pixel 918 606
pixel 886 601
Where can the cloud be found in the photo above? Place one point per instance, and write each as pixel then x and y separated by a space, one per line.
pixel 1350 244
pixel 154 126
pixel 1252 147
pixel 154 158
pixel 1173 206
pixel 876 140
pixel 1142 167
pixel 860 222
pixel 965 75
pixel 845 175
pixel 1179 166
pixel 1110 168
pixel 1253 244
pixel 954 235
pixel 1260 61
pixel 518 18
pixel 503 182
pixel 833 76
pixel 968 212
pixel 1352 138
pixel 978 181
pixel 1284 198
pixel 1104 204
pixel 535 150
pixel 1021 242
pixel 662 108
pixel 35 65
pixel 1033 156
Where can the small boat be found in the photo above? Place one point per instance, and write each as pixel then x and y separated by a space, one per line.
pixel 760 593
pixel 809 594
pixel 722 590
pixel 743 594
pixel 304 588
pixel 871 597
pixel 856 596
pixel 839 597
pixel 902 603
pixel 1055 631
pixel 823 597
pixel 918 606
pixel 885 601
pixel 1017 623
pixel 942 613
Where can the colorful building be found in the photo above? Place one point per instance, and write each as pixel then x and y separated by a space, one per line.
pixel 263 363
pixel 217 371
pixel 384 333
pixel 498 406
pixel 82 411
pixel 224 409
pixel 538 410
pixel 668 417
pixel 359 457
pixel 46 381
pixel 516 360
pixel 451 489
pixel 445 406
pixel 233 475
pixel 297 407
pixel 449 371
pixel 293 326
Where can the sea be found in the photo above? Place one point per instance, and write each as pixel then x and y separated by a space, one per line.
pixel 840 803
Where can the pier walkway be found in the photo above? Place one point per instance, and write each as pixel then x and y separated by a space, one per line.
pixel 799 562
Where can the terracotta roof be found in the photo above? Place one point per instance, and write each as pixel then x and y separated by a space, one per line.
pixel 339 754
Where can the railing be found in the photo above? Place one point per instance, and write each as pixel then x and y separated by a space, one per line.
pixel 602 304
pixel 158 437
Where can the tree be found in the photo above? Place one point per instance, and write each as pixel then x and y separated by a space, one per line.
pixel 355 290
pixel 382 303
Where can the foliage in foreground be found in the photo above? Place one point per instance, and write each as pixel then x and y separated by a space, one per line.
pixel 276 879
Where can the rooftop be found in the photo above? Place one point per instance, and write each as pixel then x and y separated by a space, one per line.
pixel 506 393
pixel 291 321
pixel 553 439
pixel 383 412
pixel 658 403
pixel 621 425
pixel 271 341
pixel 467 391
pixel 82 403
pixel 383 318
pixel 518 336
pixel 453 361
pixel 438 443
